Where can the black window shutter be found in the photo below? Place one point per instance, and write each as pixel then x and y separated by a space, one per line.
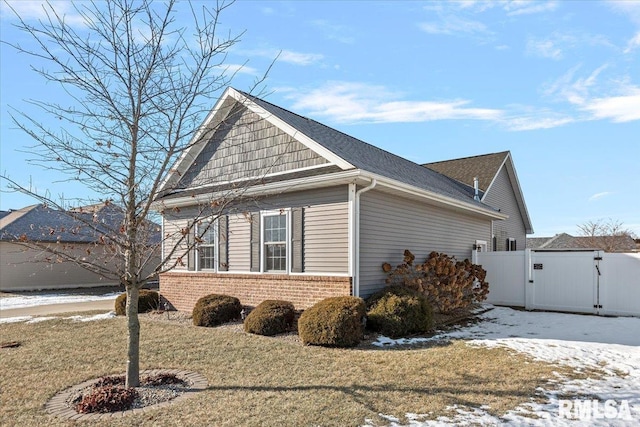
pixel 297 240
pixel 223 243
pixel 255 242
pixel 191 254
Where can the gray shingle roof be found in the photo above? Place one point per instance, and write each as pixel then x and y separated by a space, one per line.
pixel 372 159
pixel 485 167
pixel 42 224
pixel 567 241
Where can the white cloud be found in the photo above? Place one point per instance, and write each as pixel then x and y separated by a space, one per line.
pixel 358 102
pixel 536 121
pixel 39 10
pixel 633 43
pixel 599 195
pixel 237 69
pixel 452 25
pixel 544 48
pixel 616 101
pixel 288 56
pixel 528 7
pixel 298 58
pixel 623 108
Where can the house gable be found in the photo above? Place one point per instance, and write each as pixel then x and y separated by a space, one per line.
pixel 246 146
pixel 497 180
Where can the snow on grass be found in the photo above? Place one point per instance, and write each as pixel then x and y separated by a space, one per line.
pixel 102 316
pixel 77 318
pixel 16 319
pixel 23 301
pixel 609 344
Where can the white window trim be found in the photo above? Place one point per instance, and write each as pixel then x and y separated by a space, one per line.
pixel 214 224
pixel 511 240
pixel 263 214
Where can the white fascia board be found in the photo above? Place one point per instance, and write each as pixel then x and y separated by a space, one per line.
pixel 507 163
pixel 299 184
pixel 291 131
pixel 438 198
pixel 185 160
pixel 511 170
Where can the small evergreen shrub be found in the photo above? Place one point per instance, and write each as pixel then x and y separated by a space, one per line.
pixel 147 301
pixel 270 317
pixel 398 311
pixel 213 310
pixel 333 322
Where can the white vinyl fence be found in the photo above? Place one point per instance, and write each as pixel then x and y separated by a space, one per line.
pixel 575 281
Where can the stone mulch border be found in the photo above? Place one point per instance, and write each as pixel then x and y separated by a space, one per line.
pixel 57 405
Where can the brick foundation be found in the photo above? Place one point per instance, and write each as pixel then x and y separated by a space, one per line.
pixel 183 289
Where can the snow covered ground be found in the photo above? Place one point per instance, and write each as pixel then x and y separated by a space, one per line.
pixel 23 301
pixel 611 344
pixel 77 318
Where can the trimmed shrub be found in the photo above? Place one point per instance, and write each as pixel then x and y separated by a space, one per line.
pixel 333 322
pixel 398 311
pixel 147 301
pixel 213 310
pixel 270 317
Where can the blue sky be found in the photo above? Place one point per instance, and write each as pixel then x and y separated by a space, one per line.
pixel 556 83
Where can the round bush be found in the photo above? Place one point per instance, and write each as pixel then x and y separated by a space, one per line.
pixel 147 301
pixel 333 322
pixel 213 310
pixel 270 317
pixel 398 311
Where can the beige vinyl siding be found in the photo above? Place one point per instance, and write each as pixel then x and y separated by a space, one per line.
pixel 247 146
pixel 327 223
pixel 24 269
pixel 172 234
pixel 501 196
pixel 239 242
pixel 326 238
pixel 389 224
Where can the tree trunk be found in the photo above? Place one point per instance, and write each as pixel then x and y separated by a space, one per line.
pixel 133 347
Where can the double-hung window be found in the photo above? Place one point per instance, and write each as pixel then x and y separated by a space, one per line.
pixel 274 241
pixel 206 246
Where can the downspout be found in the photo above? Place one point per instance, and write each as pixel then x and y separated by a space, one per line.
pixel 356 270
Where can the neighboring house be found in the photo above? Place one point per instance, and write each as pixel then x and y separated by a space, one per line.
pixel 317 212
pixel 27 268
pixel 498 187
pixel 624 243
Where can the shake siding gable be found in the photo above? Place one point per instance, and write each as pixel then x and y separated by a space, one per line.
pixel 389 224
pixel 501 196
pixel 247 146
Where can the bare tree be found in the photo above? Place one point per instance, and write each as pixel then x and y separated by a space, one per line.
pixel 138 85
pixel 609 235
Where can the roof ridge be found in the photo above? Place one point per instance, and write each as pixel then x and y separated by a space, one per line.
pixel 335 130
pixel 467 157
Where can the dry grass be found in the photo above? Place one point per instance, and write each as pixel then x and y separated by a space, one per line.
pixel 259 381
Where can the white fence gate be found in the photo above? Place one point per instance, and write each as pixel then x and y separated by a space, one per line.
pixel 574 281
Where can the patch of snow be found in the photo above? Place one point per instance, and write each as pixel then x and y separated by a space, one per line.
pixel 77 318
pixel 40 319
pixel 15 319
pixel 24 301
pixel 610 344
pixel 102 316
